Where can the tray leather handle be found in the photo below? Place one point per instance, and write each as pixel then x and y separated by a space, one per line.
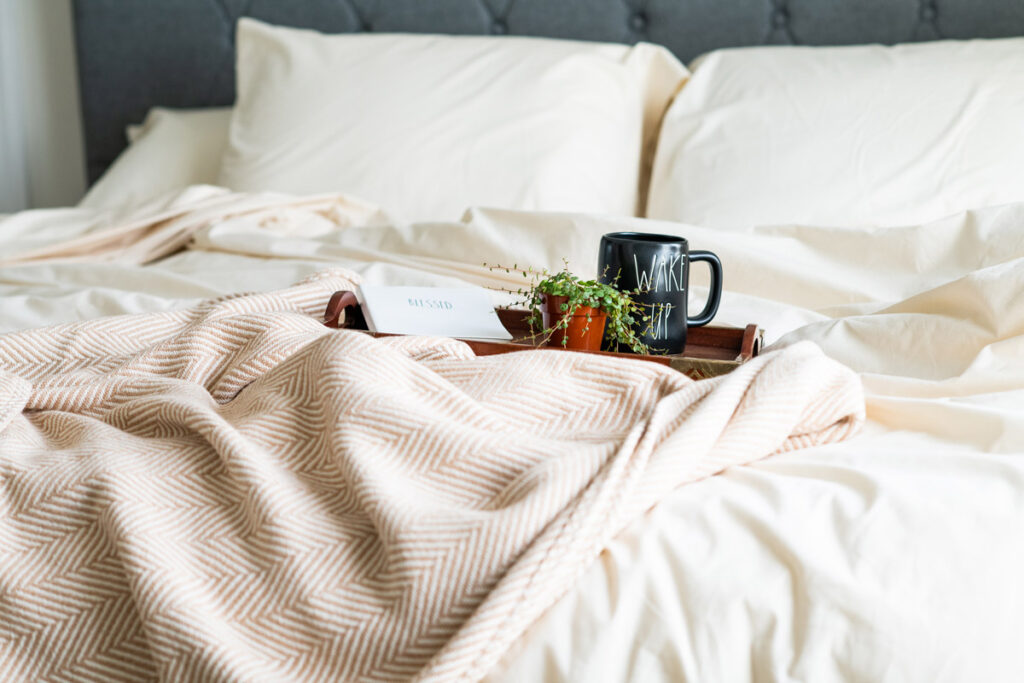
pixel 343 310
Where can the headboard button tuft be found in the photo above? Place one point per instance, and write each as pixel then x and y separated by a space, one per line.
pixel 780 17
pixel 929 12
pixel 638 22
pixel 499 27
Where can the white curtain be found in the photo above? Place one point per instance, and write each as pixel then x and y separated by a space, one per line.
pixel 13 169
pixel 41 159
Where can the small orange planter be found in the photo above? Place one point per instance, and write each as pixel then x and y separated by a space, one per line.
pixel 580 334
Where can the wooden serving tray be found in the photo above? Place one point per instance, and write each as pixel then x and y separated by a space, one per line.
pixel 710 351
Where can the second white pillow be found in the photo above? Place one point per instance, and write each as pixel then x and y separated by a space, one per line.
pixel 843 136
pixel 172 149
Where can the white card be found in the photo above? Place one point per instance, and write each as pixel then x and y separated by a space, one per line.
pixel 465 313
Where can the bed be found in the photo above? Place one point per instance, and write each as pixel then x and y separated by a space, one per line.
pixel 847 507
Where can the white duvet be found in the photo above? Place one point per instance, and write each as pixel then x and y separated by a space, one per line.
pixel 895 556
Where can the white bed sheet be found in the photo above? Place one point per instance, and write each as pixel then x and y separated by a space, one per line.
pixel 895 556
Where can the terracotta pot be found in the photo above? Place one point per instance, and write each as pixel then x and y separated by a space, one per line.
pixel 579 335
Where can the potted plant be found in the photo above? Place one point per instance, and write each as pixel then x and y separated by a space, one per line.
pixel 573 313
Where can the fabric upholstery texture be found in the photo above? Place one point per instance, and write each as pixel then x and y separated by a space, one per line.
pixel 133 56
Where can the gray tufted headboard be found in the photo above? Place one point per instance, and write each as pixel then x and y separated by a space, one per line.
pixel 136 54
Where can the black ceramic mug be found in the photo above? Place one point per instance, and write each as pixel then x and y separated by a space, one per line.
pixel 659 266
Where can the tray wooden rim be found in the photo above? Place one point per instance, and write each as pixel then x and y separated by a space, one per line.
pixel 720 348
pixel 739 344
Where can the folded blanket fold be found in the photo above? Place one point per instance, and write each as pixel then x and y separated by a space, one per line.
pixel 237 492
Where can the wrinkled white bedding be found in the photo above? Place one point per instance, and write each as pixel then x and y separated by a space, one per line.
pixel 893 556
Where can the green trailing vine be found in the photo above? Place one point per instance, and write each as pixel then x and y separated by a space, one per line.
pixel 623 313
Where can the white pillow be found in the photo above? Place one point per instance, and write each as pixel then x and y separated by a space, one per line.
pixel 845 136
pixel 171 150
pixel 428 125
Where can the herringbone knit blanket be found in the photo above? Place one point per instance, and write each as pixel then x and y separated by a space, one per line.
pixel 235 492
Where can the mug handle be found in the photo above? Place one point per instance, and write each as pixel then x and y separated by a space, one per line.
pixel 714 291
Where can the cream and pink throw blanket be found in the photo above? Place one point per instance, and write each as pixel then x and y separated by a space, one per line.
pixel 236 492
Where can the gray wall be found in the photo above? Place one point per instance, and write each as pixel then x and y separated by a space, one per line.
pixel 41 160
